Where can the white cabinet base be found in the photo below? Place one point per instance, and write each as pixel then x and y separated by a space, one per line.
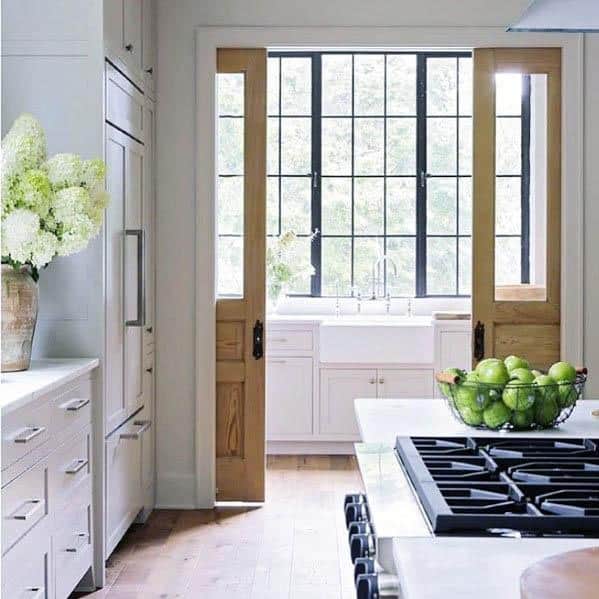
pixel 311 447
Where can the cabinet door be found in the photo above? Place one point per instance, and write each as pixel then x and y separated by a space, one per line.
pixel 149 217
pixel 124 182
pixel 454 350
pixel 114 25
pixel 149 45
pixel 288 398
pixel 123 482
pixel 132 27
pixel 406 383
pixel 338 390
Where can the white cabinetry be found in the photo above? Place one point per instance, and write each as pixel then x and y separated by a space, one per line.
pixel 338 390
pixel 409 383
pixel 288 397
pixel 453 346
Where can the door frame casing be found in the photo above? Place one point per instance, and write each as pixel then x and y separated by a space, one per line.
pixel 208 39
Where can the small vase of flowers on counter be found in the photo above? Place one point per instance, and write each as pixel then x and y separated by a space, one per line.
pixel 50 207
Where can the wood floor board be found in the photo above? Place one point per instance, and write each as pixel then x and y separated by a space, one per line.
pixel 293 547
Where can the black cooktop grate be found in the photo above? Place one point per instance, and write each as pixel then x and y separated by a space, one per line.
pixel 481 485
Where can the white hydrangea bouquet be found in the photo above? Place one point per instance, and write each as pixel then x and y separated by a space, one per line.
pixel 283 266
pixel 50 207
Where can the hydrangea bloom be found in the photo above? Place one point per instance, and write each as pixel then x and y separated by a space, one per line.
pixel 49 207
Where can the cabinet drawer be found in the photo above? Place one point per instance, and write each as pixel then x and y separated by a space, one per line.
pixel 123 482
pixel 25 429
pixel 26 567
pixel 70 469
pixel 72 410
pixel 72 549
pixel 24 504
pixel 124 104
pixel 288 340
pixel 406 383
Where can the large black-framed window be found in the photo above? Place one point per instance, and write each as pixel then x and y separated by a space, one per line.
pixel 374 150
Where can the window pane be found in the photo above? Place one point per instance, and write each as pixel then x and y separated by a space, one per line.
pixel 230 205
pixel 465 201
pixel 441 206
pixel 296 150
pixel 366 252
pixel 508 146
pixel 272 154
pixel 508 93
pixel 296 204
pixel 336 146
pixel 465 87
pixel 272 92
pixel 336 206
pixel 230 266
pixel 465 154
pixel 465 258
pixel 401 146
pixel 301 255
pixel 296 86
pixel 441 266
pixel 507 261
pixel 336 266
pixel 230 146
pixel 369 208
pixel 368 146
pixel 401 84
pixel 401 206
pixel 272 206
pixel 441 146
pixel 508 209
pixel 441 86
pixel 230 93
pixel 403 252
pixel 336 84
pixel 369 84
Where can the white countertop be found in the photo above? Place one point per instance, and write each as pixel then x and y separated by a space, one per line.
pixel 19 388
pixel 382 420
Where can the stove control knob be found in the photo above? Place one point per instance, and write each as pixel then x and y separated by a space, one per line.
pixel 359 528
pixel 362 546
pixel 356 512
pixel 363 565
pixel 367 586
pixel 354 498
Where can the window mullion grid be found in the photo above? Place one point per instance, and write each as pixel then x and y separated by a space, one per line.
pixel 280 145
pixel 385 289
pixel 457 179
pixel 353 121
pixel 525 182
pixel 316 248
pixel 421 175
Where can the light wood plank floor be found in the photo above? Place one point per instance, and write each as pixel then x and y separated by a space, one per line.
pixel 293 547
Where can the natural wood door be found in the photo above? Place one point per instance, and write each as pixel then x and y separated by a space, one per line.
pixel 240 391
pixel 517 317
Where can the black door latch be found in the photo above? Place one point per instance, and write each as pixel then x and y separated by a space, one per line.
pixel 479 341
pixel 258 351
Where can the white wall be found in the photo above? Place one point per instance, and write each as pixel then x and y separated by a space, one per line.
pixel 176 183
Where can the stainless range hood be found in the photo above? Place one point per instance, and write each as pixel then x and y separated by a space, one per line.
pixel 559 15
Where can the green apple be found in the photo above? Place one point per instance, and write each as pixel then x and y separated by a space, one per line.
pixel 523 375
pixel 445 387
pixel 518 396
pixel 523 419
pixel 563 372
pixel 484 363
pixel 471 416
pixel 547 387
pixel 513 362
pixel 546 410
pixel 567 395
pixel 536 373
pixel 496 415
pixel 493 373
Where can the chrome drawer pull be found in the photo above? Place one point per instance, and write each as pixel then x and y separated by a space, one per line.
pixel 276 361
pixel 75 404
pixel 144 426
pixel 82 536
pixel 37 504
pixel 279 340
pixel 30 433
pixel 33 593
pixel 76 466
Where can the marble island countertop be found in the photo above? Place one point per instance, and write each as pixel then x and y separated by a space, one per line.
pixel 19 388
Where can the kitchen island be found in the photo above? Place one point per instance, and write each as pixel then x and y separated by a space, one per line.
pixel 429 566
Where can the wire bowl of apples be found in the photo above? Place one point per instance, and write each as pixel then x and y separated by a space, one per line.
pixel 510 395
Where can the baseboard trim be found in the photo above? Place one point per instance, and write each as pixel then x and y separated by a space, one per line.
pixel 310 448
pixel 176 492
